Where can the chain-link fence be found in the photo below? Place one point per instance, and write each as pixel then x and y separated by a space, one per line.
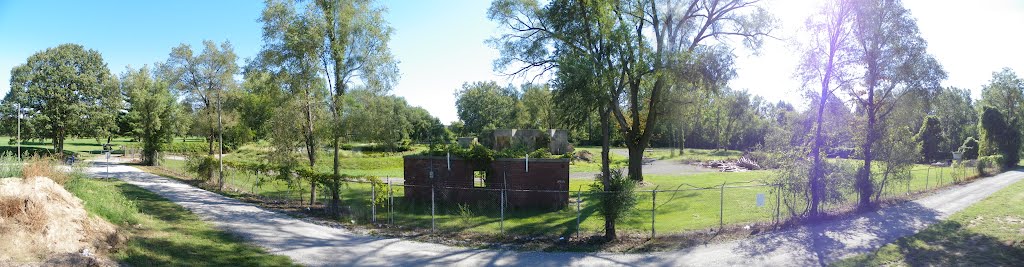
pixel 659 210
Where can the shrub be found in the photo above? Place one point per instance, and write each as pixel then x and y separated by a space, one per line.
pixel 970 148
pixel 928 139
pixel 202 166
pixel 989 165
pixel 613 202
pixel 998 136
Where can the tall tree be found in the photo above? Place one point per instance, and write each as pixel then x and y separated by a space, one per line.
pixel 998 136
pixel 486 105
pixel 294 53
pixel 355 38
pixel 538 106
pixel 644 48
pixel 955 109
pixel 66 91
pixel 894 61
pixel 152 112
pixel 929 138
pixel 826 61
pixel 203 79
pixel 1005 93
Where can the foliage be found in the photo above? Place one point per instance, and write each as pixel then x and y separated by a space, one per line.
pixel 999 137
pixel 989 165
pixel 204 81
pixel 928 139
pixel 614 55
pixel 970 148
pixel 958 117
pixel 486 105
pixel 151 112
pixel 615 199
pixel 65 91
pixel 1005 93
pixel 885 82
pixel 202 166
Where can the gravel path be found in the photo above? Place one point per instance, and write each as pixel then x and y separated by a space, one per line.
pixel 316 245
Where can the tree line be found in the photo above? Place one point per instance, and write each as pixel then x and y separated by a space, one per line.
pixel 634 73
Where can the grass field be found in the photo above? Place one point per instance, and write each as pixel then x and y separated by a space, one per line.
pixel 989 233
pixel 161 233
pixel 696 202
pixel 82 147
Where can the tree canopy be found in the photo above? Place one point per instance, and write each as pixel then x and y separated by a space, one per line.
pixel 66 91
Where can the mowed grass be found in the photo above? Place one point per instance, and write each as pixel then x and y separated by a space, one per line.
pixel 989 233
pixel 161 233
pixel 683 203
pixel 81 147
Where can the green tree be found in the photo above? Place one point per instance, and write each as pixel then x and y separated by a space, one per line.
pixel 486 105
pixel 954 108
pixel 636 52
pixel 354 38
pixel 152 112
pixel 826 66
pixel 929 138
pixel 66 91
pixel 1005 93
pixel 884 30
pixel 998 136
pixel 204 80
pixel 539 108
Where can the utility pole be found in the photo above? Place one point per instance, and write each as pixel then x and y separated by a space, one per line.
pixel 220 137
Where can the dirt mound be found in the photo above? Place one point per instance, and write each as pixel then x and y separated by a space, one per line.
pixel 43 224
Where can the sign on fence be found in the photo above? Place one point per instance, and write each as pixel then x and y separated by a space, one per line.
pixel 760 199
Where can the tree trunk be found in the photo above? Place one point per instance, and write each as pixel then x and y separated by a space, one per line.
pixel 865 187
pixel 814 183
pixel 310 147
pixel 636 161
pixel 335 208
pixel 606 130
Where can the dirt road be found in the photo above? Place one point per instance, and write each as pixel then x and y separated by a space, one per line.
pixel 316 245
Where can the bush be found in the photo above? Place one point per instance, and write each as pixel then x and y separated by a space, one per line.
pixel 970 148
pixel 613 202
pixel 202 166
pixel 928 140
pixel 999 137
pixel 990 165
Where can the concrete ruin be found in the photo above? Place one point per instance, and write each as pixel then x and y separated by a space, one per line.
pixel 556 141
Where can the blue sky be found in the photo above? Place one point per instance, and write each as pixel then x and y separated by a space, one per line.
pixel 440 44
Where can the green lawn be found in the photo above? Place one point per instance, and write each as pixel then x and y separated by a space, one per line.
pixel 83 147
pixel 694 203
pixel 989 233
pixel 161 233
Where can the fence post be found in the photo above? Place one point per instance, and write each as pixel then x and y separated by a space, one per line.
pixel 654 195
pixel 391 203
pixel 721 207
pixel 502 223
pixel 433 225
pixel 578 200
pixel 927 177
pixel 778 203
pixel 373 202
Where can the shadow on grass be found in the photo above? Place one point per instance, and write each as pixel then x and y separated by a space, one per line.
pixel 945 244
pixel 182 239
